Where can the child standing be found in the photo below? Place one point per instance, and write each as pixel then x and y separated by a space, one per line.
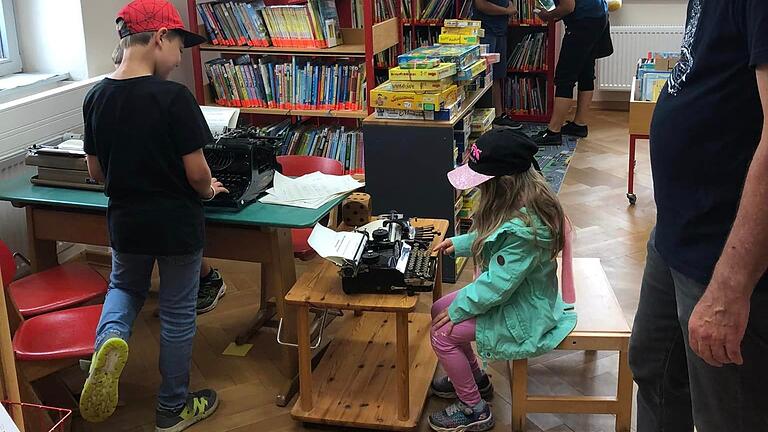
pixel 212 286
pixel 512 309
pixel 143 138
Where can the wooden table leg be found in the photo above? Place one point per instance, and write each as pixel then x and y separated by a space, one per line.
pixel 42 253
pixel 518 378
pixel 305 359
pixel 402 365
pixel 624 394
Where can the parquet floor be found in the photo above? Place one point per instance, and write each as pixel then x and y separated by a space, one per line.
pixel 607 228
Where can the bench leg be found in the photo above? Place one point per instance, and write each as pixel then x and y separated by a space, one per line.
pixel 624 394
pixel 518 385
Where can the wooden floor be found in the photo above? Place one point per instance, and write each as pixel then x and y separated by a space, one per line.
pixel 607 228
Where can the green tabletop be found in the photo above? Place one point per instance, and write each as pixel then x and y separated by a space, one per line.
pixel 19 190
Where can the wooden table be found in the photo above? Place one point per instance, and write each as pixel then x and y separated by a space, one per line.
pixel 259 233
pixel 364 380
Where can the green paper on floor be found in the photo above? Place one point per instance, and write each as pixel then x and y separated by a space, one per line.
pixel 236 350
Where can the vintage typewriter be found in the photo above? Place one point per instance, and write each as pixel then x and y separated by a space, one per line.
pixel 395 259
pixel 245 162
pixel 61 162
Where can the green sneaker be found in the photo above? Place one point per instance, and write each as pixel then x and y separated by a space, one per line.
pixel 99 397
pixel 200 405
pixel 212 288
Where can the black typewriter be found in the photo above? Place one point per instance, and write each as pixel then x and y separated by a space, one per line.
pixel 245 163
pixel 396 259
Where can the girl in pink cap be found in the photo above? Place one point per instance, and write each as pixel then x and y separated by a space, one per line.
pixel 513 308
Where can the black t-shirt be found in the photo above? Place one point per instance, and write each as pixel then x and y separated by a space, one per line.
pixel 705 130
pixel 140 128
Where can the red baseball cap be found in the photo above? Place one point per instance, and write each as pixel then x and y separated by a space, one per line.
pixel 152 15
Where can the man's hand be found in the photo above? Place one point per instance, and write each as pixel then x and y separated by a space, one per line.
pixel 545 16
pixel 442 323
pixel 717 325
pixel 511 9
pixel 446 247
pixel 217 187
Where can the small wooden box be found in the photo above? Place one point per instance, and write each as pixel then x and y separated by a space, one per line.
pixel 640 113
pixel 356 210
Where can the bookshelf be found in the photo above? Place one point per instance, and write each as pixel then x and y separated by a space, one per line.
pixel 544 74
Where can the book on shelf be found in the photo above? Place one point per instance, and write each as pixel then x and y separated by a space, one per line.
pixel 527 95
pixel 334 142
pixel 301 83
pixel 386 58
pixel 435 11
pixel 526 14
pixel 382 11
pixel 530 53
pixel 465 12
pixel 234 23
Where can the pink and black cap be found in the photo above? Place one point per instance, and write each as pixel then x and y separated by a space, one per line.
pixel 499 152
pixel 151 15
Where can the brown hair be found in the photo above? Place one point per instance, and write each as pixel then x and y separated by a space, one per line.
pixel 117 55
pixel 142 38
pixel 501 199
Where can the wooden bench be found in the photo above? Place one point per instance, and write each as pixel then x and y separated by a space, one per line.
pixel 601 326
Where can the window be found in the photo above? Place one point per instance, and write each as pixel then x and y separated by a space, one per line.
pixel 10 61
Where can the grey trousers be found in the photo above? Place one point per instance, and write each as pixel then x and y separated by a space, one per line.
pixel 676 387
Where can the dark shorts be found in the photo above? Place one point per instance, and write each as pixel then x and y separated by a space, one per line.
pixel 497 44
pixel 585 40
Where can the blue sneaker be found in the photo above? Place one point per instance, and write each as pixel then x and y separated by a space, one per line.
pixel 458 417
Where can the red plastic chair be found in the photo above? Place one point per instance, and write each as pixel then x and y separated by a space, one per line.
pixel 296 166
pixel 63 334
pixel 54 289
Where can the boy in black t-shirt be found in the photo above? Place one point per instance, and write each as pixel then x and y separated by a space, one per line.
pixel 144 137
pixel 212 286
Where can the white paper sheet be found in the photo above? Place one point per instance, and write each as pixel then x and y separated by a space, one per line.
pixel 336 246
pixel 308 191
pixel 6 423
pixel 219 118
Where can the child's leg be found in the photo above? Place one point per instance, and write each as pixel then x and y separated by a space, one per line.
pixel 441 305
pixel 129 284
pixel 179 282
pixel 451 350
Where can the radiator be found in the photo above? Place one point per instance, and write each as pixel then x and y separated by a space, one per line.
pixel 631 43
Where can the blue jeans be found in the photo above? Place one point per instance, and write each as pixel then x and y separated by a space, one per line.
pixel 676 388
pixel 179 282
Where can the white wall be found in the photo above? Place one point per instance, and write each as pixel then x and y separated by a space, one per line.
pixel 51 37
pixel 77 36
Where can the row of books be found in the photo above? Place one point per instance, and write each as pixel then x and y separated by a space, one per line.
pixel 437 10
pixel 525 12
pixel 527 95
pixel 304 139
pixel 382 11
pixel 386 58
pixel 530 53
pixel 424 36
pixel 334 142
pixel 298 84
pixel 234 23
pixel 314 24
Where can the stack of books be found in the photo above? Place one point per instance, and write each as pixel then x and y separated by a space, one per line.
pixel 461 32
pixel 530 54
pixel 310 24
pixel 301 84
pixel 334 142
pixel 525 12
pixel 527 95
pixel 234 23
pixel 430 83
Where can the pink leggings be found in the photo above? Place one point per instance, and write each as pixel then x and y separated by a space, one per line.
pixel 455 353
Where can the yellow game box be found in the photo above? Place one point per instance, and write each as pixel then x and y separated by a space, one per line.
pixel 458 39
pixel 421 86
pixel 461 23
pixel 384 97
pixel 445 70
pixel 466 31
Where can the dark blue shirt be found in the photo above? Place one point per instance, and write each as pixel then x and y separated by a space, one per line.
pixel 496 25
pixel 587 9
pixel 705 130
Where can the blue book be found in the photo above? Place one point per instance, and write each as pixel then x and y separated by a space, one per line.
pixel 204 18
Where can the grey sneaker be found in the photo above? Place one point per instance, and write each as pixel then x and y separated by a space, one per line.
pixel 458 417
pixel 443 387
pixel 200 405
pixel 212 289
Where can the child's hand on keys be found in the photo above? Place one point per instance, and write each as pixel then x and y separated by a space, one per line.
pixel 442 323
pixel 217 187
pixel 446 246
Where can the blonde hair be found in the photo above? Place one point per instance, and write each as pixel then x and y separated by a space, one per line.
pixel 142 38
pixel 501 199
pixel 117 55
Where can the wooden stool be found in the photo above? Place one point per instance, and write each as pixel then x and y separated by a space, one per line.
pixel 601 326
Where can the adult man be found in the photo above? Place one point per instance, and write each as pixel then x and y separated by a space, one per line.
pixel 700 337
